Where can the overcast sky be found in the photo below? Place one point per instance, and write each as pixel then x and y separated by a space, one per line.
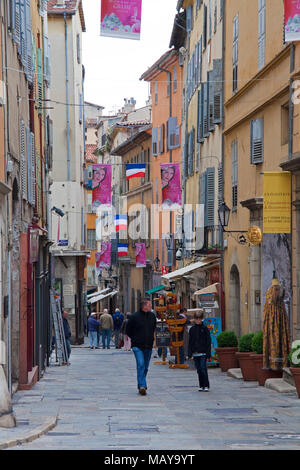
pixel 114 66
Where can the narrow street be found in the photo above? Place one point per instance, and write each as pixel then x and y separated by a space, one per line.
pixel 98 407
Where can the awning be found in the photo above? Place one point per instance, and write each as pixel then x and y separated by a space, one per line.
pixel 97 298
pixel 188 270
pixel 212 289
pixel 94 294
pixel 155 289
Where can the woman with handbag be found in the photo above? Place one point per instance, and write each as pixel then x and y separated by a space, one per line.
pixel 126 339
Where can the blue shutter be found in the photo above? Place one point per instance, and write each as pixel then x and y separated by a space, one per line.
pixel 172 132
pixel 218 91
pixel 205 110
pixel 211 90
pixel 23 158
pixel 33 165
pixel 28 43
pixel 204 27
pixel 189 18
pixel 16 25
pixel 203 194
pixel 200 137
pixel 22 44
pixel 29 164
pixel 154 142
pixel 257 141
pixel 210 198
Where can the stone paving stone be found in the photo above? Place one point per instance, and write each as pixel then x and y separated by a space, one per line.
pixel 98 407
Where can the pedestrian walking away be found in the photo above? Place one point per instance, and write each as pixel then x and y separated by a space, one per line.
pixel 107 327
pixel 93 328
pixel 123 331
pixel 200 349
pixel 118 319
pixel 140 329
pixel 67 331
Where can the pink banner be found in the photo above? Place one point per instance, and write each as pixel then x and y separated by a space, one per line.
pixel 103 257
pixel 292 20
pixel 101 186
pixel 170 184
pixel 121 18
pixel 140 252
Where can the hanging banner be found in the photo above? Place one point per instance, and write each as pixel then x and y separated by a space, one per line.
pixel 140 252
pixel 121 19
pixel 101 186
pixel 277 202
pixel 103 257
pixel 170 184
pixel 292 20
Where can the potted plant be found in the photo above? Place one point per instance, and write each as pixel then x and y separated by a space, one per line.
pixel 294 358
pixel 227 347
pixel 244 357
pixel 257 358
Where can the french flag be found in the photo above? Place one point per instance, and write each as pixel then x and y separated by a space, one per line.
pixel 122 249
pixel 134 170
pixel 120 222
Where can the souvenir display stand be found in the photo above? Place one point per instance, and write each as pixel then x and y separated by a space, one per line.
pixel 176 325
pixel 161 338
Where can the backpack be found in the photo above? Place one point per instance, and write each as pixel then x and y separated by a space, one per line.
pixel 118 320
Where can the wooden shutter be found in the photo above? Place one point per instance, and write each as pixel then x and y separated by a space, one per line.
pixel 39 80
pixel 204 27
pixel 172 133
pixel 23 159
pixel 16 24
pixel 210 197
pixel 257 141
pixel 234 176
pixel 189 18
pixel 154 142
pixel 220 185
pixel 161 139
pixel 235 53
pixel 205 110
pixel 203 194
pixel 29 164
pixel 22 45
pixel 28 43
pixel 200 60
pixel 218 91
pixel 200 137
pixel 211 94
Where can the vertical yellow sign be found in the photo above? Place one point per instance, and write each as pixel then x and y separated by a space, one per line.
pixel 277 202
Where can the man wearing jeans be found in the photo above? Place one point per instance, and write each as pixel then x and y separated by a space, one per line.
pixel 141 328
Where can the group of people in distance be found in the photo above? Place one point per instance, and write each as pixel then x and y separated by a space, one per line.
pixel 138 331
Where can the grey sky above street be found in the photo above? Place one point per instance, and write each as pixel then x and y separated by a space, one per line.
pixel 114 66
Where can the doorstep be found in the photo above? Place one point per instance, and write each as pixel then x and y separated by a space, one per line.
pixel 280 385
pixel 288 376
pixel 235 373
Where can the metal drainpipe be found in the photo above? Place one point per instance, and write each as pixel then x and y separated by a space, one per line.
pixel 67 99
pixel 291 104
pixel 223 161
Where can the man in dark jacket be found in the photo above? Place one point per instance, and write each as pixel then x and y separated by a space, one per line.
pixel 67 331
pixel 200 349
pixel 93 328
pixel 141 328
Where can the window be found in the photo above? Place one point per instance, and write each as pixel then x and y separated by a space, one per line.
pixel 191 151
pixel 209 20
pixel 91 239
pixel 257 141
pixel 204 27
pixel 161 139
pixel 261 32
pixel 235 53
pixel 169 80
pixel 234 177
pixel 285 124
pixel 189 18
pixel 200 136
pixel 216 16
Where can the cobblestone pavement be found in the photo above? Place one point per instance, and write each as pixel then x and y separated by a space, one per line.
pixel 97 405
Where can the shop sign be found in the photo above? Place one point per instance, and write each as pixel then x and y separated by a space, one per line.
pixel 162 335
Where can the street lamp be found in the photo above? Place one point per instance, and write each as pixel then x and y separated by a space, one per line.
pixel 224 213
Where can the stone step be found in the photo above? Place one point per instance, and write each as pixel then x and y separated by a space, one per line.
pixel 235 373
pixel 280 385
pixel 288 376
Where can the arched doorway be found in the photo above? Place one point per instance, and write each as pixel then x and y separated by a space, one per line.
pixel 234 301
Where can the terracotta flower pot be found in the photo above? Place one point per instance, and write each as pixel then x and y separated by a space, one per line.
pixel 296 375
pixel 246 365
pixel 264 374
pixel 227 358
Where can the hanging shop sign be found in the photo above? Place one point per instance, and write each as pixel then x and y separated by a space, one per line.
pixel 101 186
pixel 292 20
pixel 170 185
pixel 162 335
pixel 121 19
pixel 254 235
pixel 277 202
